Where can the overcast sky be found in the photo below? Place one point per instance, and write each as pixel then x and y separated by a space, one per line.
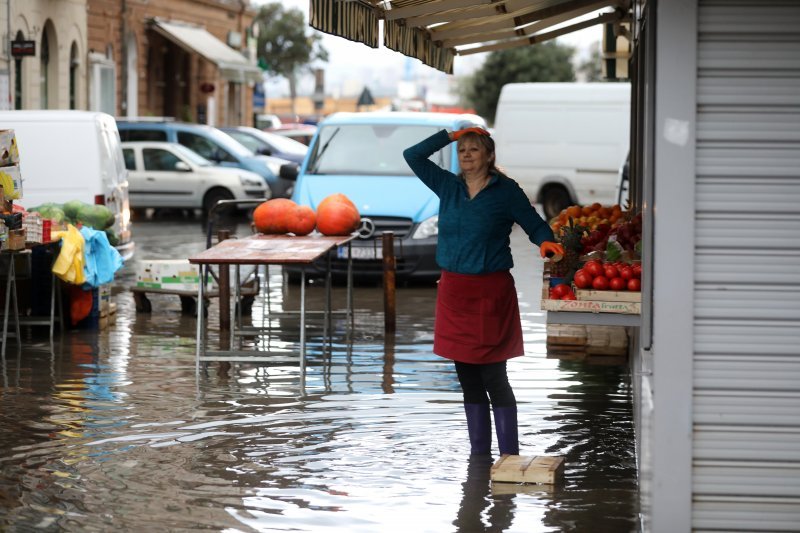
pixel 352 61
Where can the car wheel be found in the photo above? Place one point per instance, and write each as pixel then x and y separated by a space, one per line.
pixel 554 199
pixel 215 195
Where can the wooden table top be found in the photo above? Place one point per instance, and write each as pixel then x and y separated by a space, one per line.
pixel 269 250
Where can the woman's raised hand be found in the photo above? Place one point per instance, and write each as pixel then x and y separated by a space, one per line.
pixel 474 129
pixel 551 249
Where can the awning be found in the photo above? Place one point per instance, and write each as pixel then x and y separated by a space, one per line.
pixel 435 31
pixel 233 66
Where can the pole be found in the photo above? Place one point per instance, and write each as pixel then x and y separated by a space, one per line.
pixel 224 306
pixel 389 285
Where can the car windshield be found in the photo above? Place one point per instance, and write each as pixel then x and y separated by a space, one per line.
pixel 370 149
pixel 192 156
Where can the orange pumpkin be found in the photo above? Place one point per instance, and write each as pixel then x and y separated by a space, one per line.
pixel 337 215
pixel 272 216
pixel 302 220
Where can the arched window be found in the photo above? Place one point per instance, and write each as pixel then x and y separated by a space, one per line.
pixel 18 76
pixel 74 63
pixel 44 71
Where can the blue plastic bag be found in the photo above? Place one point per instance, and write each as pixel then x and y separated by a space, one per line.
pixel 102 259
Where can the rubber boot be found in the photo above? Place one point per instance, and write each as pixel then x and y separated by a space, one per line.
pixel 505 423
pixel 479 424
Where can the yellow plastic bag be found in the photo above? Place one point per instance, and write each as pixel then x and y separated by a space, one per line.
pixel 69 263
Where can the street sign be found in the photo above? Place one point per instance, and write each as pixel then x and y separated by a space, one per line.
pixel 365 98
pixel 259 97
pixel 23 48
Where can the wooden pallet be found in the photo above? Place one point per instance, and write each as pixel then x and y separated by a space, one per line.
pixel 571 342
pixel 519 469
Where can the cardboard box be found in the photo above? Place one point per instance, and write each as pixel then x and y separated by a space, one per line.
pixel 169 274
pixel 9 153
pixel 11 180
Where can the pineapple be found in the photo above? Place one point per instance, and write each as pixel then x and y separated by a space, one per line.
pixel 569 236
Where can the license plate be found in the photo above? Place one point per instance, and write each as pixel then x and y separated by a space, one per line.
pixel 360 252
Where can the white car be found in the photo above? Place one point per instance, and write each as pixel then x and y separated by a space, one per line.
pixel 163 174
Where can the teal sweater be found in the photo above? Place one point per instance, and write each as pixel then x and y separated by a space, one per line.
pixel 474 233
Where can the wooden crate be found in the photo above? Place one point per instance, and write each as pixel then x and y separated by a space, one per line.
pixel 566 335
pixel 608 296
pixel 591 301
pixel 606 340
pixel 520 469
pixel 108 316
pixel 591 306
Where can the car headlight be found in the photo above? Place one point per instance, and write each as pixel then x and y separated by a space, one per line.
pixel 428 228
pixel 274 167
pixel 247 181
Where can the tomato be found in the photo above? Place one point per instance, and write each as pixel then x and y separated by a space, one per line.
pixel 634 285
pixel 637 271
pixel 611 271
pixel 582 279
pixel 617 284
pixel 560 290
pixel 569 296
pixel 593 268
pixel 626 272
pixel 600 283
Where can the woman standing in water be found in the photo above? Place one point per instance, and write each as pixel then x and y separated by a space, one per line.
pixel 477 321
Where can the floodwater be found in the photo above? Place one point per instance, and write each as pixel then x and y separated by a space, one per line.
pixel 115 432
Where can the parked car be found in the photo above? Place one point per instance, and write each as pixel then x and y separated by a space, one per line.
pixel 212 144
pixel 361 156
pixel 264 121
pixel 162 174
pixel 266 143
pixel 299 132
pixel 73 155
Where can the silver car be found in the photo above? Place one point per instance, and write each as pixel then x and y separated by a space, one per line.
pixel 169 175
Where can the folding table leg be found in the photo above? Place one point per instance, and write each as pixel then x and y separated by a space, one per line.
pixel 303 322
pixel 11 293
pixel 200 349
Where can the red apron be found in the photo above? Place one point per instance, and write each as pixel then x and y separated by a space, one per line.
pixel 477 318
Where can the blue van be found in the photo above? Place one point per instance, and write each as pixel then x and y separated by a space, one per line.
pixel 361 156
pixel 214 145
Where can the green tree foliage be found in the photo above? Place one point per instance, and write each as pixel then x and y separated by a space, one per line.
pixel 548 61
pixel 283 44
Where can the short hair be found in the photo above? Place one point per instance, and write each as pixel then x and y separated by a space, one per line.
pixel 487 142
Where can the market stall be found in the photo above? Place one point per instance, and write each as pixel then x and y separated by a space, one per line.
pixel 596 286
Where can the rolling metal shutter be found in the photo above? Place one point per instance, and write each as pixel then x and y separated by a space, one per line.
pixel 746 449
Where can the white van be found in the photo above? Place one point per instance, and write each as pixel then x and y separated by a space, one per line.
pixel 563 142
pixel 72 155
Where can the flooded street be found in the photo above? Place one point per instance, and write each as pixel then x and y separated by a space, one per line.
pixel 114 431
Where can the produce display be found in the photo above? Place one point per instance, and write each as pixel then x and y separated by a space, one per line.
pixel 615 276
pixel 336 215
pixel 98 217
pixel 601 268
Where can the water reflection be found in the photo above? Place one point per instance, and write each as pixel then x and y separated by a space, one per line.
pixel 114 431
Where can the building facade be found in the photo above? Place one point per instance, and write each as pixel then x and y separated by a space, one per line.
pixel 188 59
pixel 43 65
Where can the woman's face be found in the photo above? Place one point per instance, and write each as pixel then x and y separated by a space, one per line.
pixel 473 157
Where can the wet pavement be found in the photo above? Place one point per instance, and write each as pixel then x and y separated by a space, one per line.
pixel 114 431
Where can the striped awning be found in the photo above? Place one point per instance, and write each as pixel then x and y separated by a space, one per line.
pixel 435 31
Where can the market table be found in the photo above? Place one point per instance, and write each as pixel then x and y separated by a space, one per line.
pixel 266 250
